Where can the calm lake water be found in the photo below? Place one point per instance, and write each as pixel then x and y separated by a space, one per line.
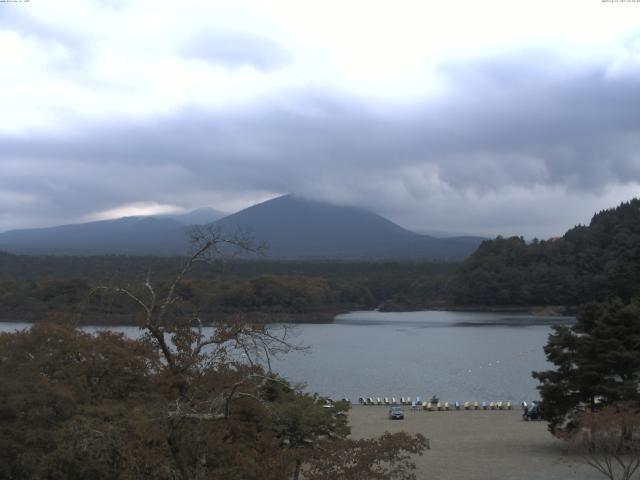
pixel 456 355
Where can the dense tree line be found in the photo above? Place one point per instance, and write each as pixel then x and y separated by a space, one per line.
pixel 587 264
pixel 265 294
pixel 33 287
pixel 383 277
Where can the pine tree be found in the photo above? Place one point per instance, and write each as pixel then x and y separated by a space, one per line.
pixel 597 363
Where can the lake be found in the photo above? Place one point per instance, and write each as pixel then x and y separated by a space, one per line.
pixel 464 356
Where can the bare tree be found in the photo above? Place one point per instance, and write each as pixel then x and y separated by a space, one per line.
pixel 182 341
pixel 609 441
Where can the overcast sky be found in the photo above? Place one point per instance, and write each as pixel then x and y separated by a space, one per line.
pixel 490 117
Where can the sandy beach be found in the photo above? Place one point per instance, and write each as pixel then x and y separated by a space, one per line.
pixel 478 445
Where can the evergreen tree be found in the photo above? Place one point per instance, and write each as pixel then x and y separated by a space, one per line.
pixel 597 363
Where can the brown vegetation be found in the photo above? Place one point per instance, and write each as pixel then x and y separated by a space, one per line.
pixel 175 404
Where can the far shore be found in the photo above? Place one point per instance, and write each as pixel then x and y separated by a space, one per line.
pixel 478 445
pixel 112 320
pixel 318 317
pixel 537 310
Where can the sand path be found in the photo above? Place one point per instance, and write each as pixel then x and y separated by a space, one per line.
pixel 478 445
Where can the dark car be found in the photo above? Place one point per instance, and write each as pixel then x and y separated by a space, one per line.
pixel 533 413
pixel 396 412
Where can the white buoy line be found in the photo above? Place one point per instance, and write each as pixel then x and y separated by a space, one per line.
pixel 496 363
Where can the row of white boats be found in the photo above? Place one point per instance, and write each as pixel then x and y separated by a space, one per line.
pixel 436 405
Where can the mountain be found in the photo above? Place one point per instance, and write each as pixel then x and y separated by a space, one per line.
pixel 200 216
pixel 127 235
pixel 140 235
pixel 293 227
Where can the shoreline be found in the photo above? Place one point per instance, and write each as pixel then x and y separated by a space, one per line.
pixel 128 320
pixel 312 318
pixel 535 310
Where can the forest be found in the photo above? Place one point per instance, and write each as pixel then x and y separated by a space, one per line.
pixel 588 263
pixel 32 287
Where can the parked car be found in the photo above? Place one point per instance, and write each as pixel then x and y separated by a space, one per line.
pixel 532 413
pixel 396 412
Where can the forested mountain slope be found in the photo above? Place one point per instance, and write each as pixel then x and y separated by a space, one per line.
pixel 588 263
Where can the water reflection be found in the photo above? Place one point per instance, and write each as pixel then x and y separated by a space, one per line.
pixel 448 319
pixel 416 353
pixel 375 354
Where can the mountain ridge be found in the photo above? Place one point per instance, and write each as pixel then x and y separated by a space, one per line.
pixel 294 227
pixel 337 232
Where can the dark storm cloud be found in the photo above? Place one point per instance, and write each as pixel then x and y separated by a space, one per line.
pixel 235 50
pixel 512 124
pixel 577 126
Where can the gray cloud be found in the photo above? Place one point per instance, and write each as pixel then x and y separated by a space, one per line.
pixel 514 139
pixel 235 50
